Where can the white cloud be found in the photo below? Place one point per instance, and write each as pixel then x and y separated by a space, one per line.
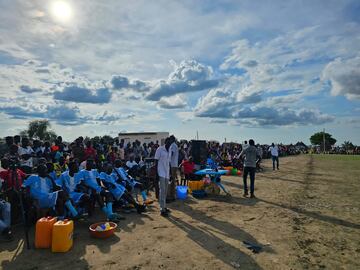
pixel 223 104
pixel 217 103
pixel 174 102
pixel 344 76
pixel 293 60
pixel 188 76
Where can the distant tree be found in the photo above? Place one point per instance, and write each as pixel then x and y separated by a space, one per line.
pixel 39 129
pixel 318 139
pixel 348 145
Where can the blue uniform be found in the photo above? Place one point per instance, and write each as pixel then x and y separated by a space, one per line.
pixel 53 175
pixel 69 184
pixel 125 177
pixel 89 178
pixel 116 189
pixel 41 189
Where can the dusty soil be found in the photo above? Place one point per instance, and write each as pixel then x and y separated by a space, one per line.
pixel 306 216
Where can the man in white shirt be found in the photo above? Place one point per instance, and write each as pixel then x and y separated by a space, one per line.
pixel 274 155
pixel 131 163
pixel 162 157
pixel 174 165
pixel 245 145
pixel 26 152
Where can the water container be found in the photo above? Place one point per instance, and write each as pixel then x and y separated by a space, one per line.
pixel 196 185
pixel 201 185
pixel 62 236
pixel 43 232
pixel 181 192
pixel 192 184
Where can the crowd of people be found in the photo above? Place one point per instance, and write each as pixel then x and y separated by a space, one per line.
pixel 69 179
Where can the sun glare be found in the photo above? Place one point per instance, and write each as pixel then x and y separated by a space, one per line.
pixel 61 11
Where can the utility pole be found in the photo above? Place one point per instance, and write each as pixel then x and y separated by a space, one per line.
pixel 324 139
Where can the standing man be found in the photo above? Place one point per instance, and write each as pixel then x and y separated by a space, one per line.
pixel 274 155
pixel 174 165
pixel 162 157
pixel 249 167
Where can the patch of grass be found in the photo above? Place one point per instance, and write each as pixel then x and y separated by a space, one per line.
pixel 337 157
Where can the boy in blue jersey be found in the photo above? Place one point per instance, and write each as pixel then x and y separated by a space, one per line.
pixel 51 171
pixel 130 183
pixel 70 182
pixel 117 190
pixel 90 179
pixel 49 195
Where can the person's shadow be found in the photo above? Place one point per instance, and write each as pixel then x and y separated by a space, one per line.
pixel 206 238
pixel 223 251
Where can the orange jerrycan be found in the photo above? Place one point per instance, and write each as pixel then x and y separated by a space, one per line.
pixel 62 236
pixel 43 232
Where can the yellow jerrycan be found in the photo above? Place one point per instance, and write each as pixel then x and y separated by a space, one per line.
pixel 62 236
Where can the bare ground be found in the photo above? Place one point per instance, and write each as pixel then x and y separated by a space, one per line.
pixel 306 216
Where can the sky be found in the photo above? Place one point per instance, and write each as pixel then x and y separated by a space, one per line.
pixel 274 71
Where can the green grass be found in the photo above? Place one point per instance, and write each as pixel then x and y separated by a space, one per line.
pixel 337 157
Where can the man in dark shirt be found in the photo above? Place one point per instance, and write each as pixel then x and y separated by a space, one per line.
pixel 5 148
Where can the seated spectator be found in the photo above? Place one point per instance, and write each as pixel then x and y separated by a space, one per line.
pixel 26 156
pixel 5 220
pixel 11 185
pixel 51 171
pixel 5 216
pixel 112 155
pixel 70 182
pixel 118 191
pixel 131 162
pixel 5 148
pixel 91 181
pixel 46 150
pixel 77 150
pixel 48 194
pixel 59 153
pixel 7 175
pixel 90 152
pixel 130 183
pixel 187 166
pixel 60 166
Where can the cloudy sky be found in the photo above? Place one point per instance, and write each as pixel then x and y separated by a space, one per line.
pixel 269 70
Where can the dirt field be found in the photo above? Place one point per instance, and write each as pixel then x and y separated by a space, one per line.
pixel 306 216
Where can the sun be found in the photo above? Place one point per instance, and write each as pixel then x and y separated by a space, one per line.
pixel 61 11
